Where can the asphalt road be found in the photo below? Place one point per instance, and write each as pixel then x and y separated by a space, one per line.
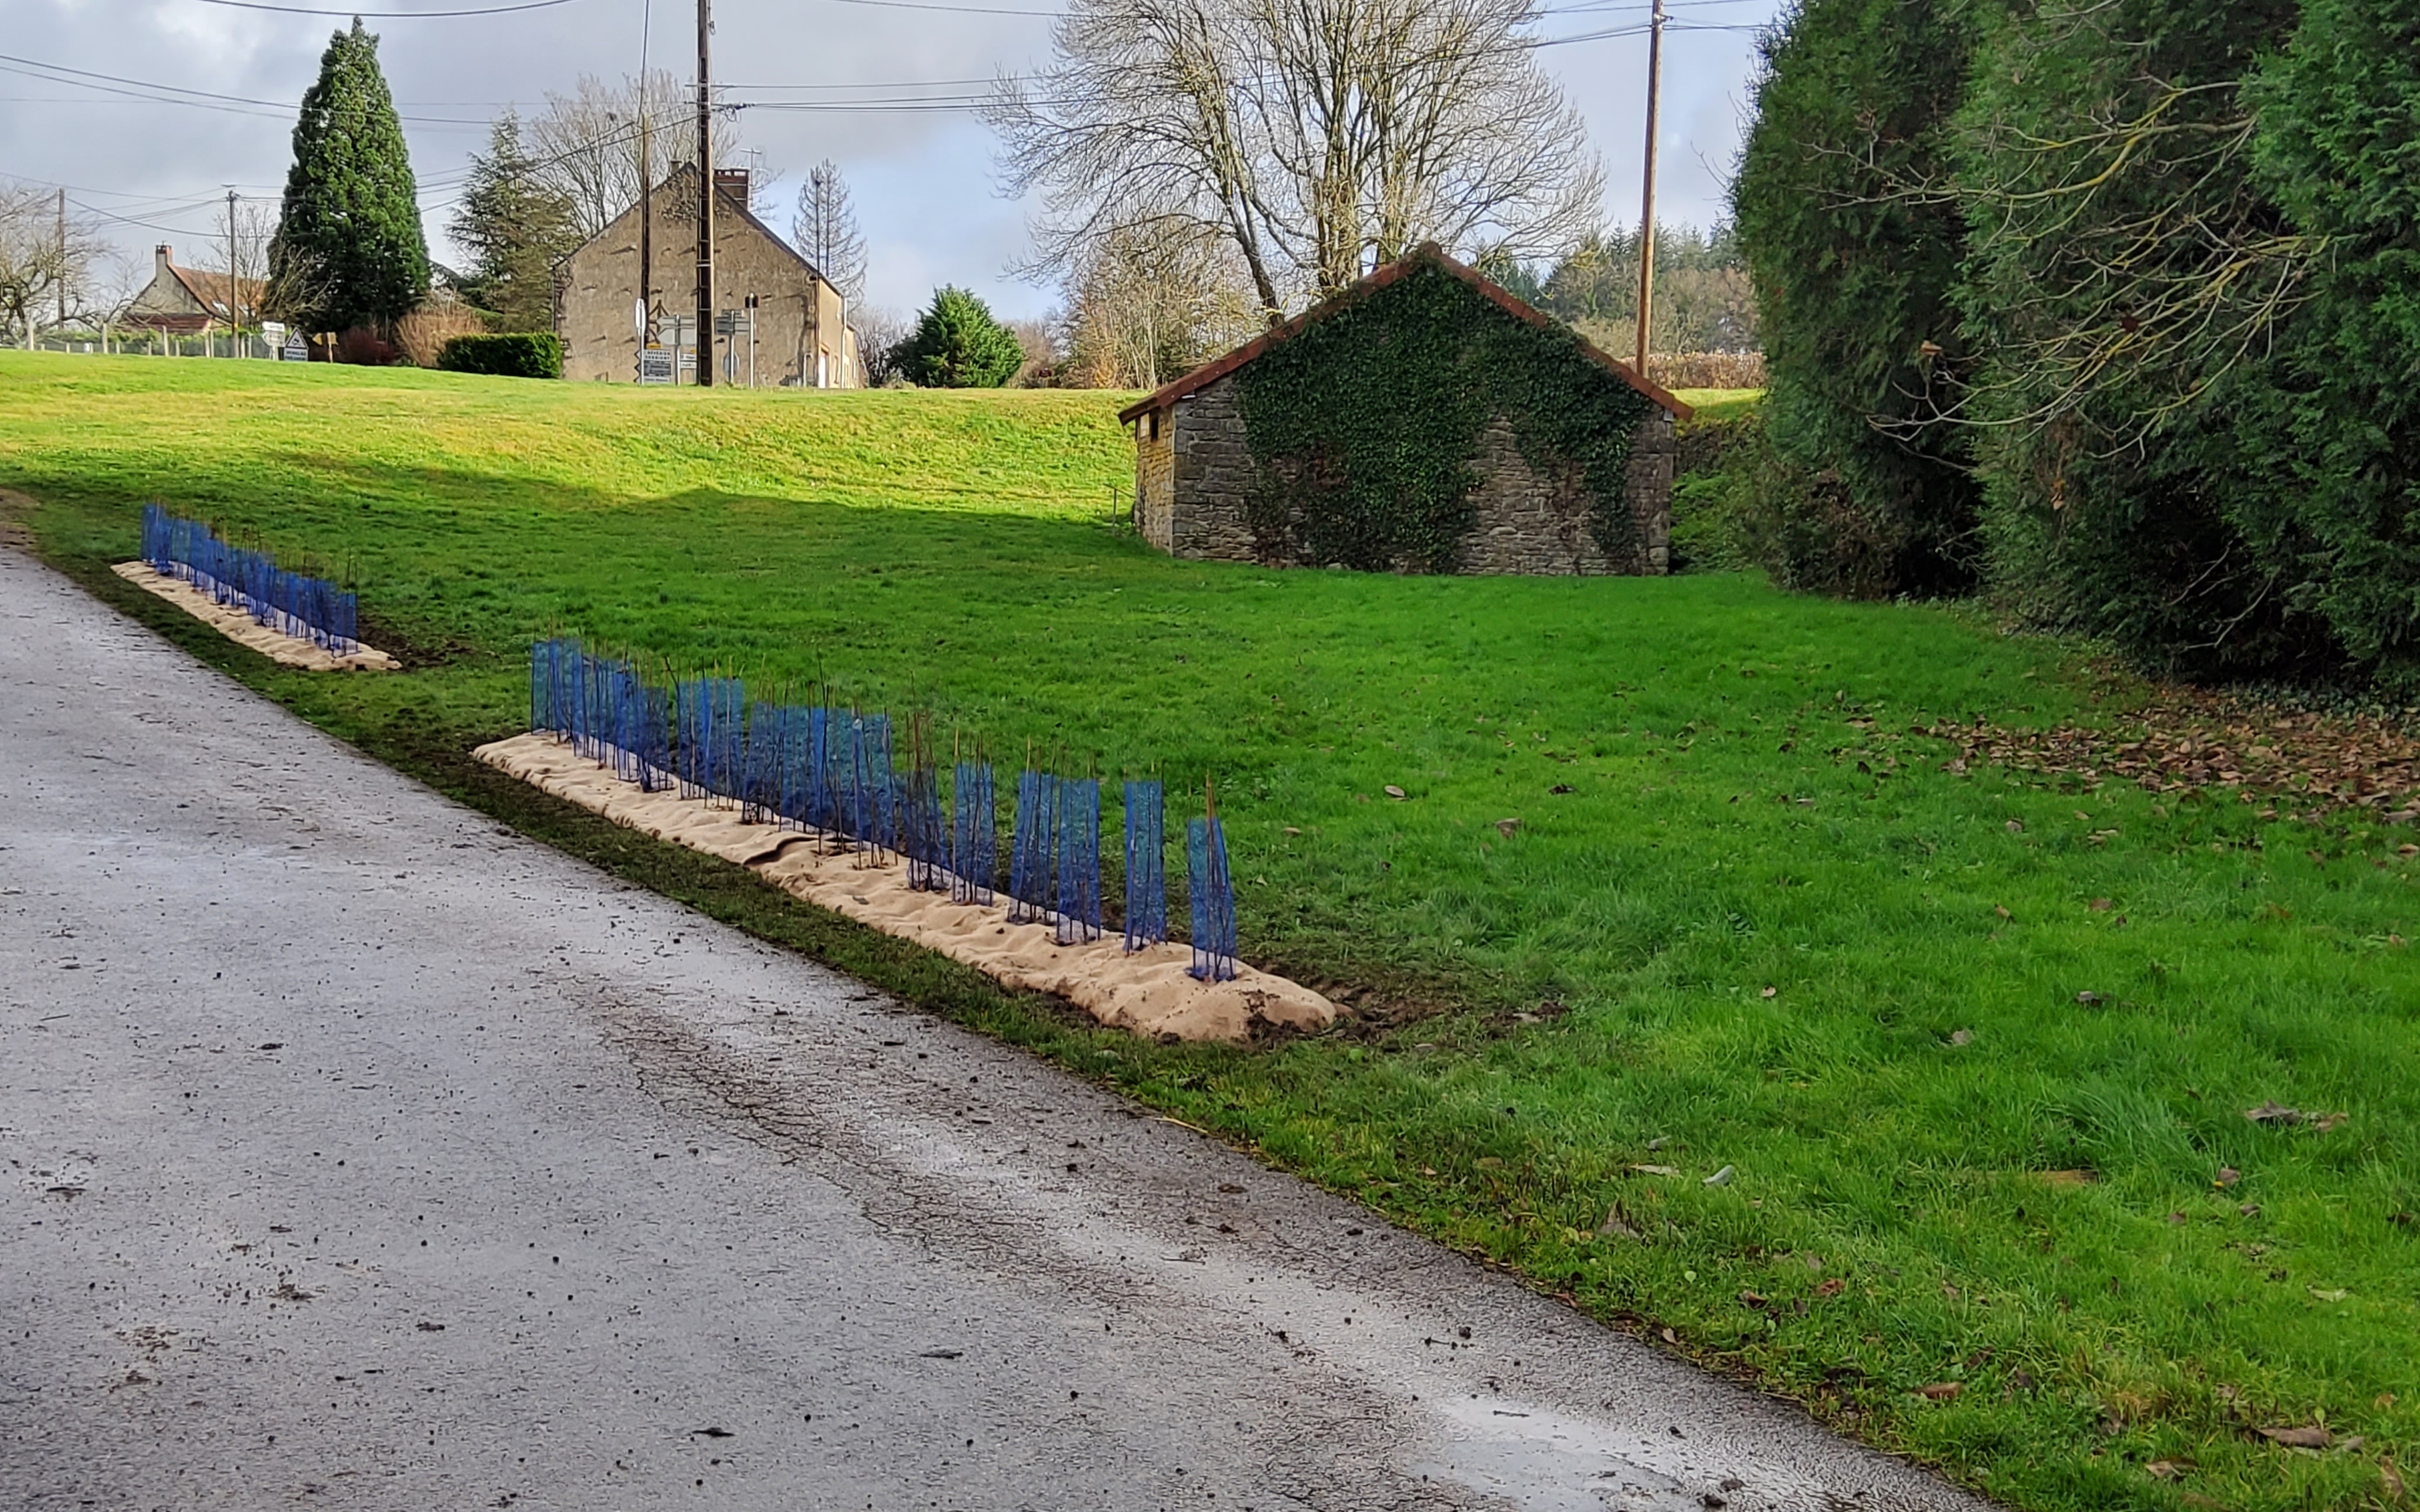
pixel 362 1155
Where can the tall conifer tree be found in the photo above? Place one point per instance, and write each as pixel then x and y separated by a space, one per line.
pixel 349 243
pixel 517 229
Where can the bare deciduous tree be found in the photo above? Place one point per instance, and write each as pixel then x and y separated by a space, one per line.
pixel 880 331
pixel 824 230
pixel 44 258
pixel 1318 137
pixel 1148 303
pixel 586 145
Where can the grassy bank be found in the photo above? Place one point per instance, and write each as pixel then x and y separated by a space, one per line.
pixel 1672 889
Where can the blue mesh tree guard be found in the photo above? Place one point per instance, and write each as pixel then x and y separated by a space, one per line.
pixel 710 757
pixel 873 818
pixel 1214 900
pixel 974 836
pixel 1079 860
pixel 546 702
pixel 310 609
pixel 1029 860
pixel 922 839
pixel 1146 865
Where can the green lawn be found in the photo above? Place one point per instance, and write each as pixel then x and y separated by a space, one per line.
pixel 1743 919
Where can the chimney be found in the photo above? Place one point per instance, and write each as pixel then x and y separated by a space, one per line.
pixel 160 256
pixel 733 182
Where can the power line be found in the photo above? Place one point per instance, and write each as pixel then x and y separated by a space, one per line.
pixel 203 99
pixel 389 15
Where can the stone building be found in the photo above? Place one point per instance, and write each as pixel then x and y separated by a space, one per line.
pixel 802 334
pixel 188 301
pixel 1197 477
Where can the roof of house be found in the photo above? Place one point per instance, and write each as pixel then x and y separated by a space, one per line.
pixel 1430 256
pixel 209 290
pixel 734 204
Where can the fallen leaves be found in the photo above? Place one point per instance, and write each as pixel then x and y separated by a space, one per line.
pixel 1506 826
pixel 2297 1438
pixel 1394 792
pixel 1721 1178
pixel 2228 1176
pixel 1617 1225
pixel 2282 1117
pixel 2190 739
pixel 1941 1391
pixel 1657 1170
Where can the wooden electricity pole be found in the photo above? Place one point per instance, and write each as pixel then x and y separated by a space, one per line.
pixel 646 221
pixel 703 345
pixel 63 263
pixel 233 319
pixel 1647 198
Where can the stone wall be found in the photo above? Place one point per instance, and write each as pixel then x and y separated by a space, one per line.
pixel 802 322
pixel 1193 485
pixel 1155 478
pixel 1215 477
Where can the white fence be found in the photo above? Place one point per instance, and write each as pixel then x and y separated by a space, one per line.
pixel 136 342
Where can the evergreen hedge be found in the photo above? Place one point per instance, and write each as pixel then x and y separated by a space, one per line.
pixel 537 354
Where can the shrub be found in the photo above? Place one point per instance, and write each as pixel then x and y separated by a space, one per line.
pixel 958 345
pixel 1854 273
pixel 537 354
pixel 2340 437
pixel 364 347
pixel 424 333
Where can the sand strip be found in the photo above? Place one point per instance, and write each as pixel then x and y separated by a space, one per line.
pixel 239 626
pixel 1148 992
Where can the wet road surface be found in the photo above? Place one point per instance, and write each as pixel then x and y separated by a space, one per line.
pixel 365 1155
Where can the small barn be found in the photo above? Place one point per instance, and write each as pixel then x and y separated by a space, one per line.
pixel 1423 420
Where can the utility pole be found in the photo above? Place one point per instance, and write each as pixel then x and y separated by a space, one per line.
pixel 63 260
pixel 646 222
pixel 1646 198
pixel 234 320
pixel 705 196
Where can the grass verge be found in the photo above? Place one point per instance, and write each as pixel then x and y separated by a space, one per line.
pixel 1674 889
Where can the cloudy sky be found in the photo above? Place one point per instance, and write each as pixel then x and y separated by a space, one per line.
pixel 87 102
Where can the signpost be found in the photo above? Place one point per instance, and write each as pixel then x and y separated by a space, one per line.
pixel 294 352
pixel 655 365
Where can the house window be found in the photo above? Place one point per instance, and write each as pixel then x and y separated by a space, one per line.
pixel 1154 425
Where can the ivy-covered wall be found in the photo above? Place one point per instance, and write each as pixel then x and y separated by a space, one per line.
pixel 1423 427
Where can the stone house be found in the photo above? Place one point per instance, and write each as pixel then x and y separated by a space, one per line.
pixel 1198 481
pixel 186 302
pixel 802 334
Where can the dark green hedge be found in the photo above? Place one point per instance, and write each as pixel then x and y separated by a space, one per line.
pixel 523 354
pixel 1367 421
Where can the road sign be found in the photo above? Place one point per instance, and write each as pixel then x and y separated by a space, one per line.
pixel 294 352
pixel 655 365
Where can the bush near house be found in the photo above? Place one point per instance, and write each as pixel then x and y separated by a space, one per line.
pixel 537 354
